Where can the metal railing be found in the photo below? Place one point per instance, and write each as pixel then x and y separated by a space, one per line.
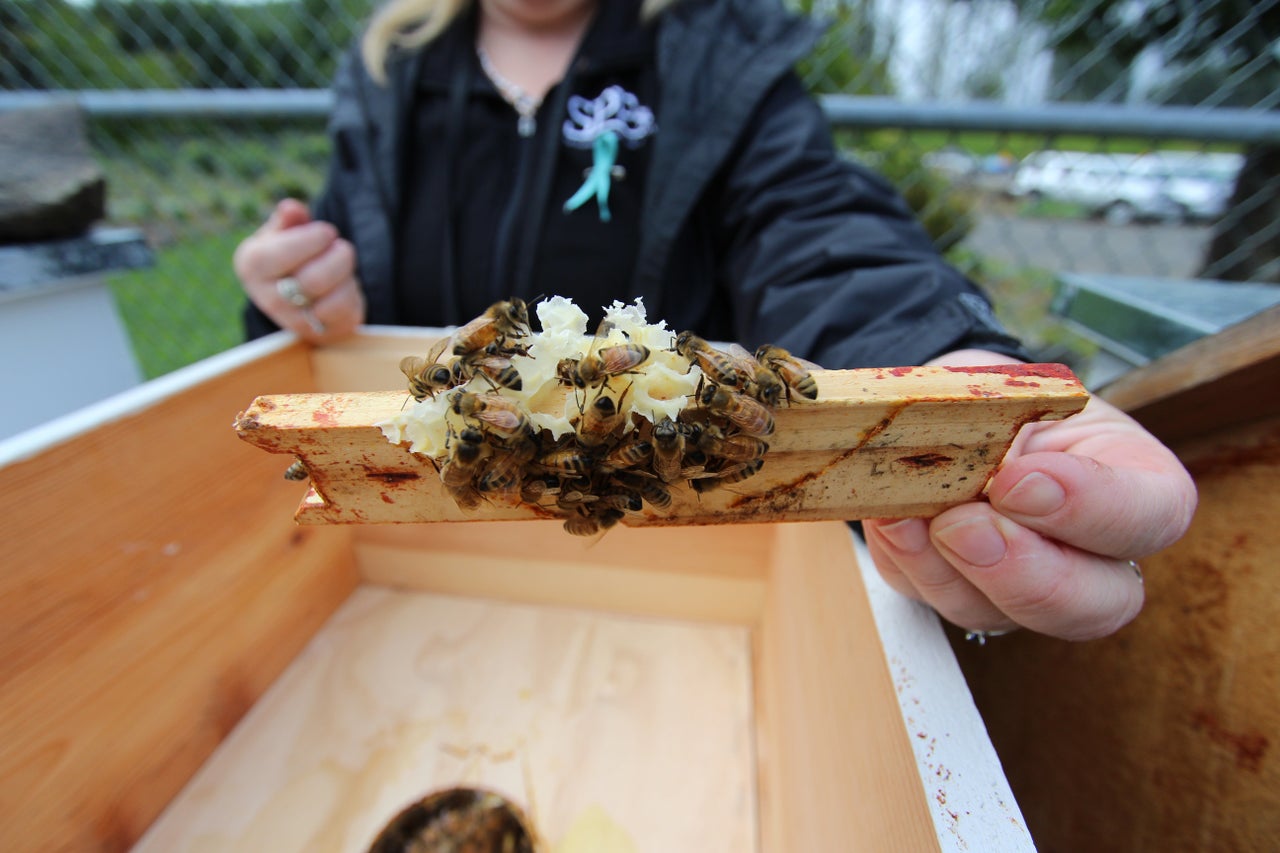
pixel 1198 124
pixel 202 114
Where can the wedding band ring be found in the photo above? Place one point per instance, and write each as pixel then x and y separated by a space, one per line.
pixel 1137 570
pixel 290 292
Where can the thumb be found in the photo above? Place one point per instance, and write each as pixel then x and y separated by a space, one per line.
pixel 1117 510
pixel 288 213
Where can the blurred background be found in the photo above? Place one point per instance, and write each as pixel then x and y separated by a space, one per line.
pixel 1048 146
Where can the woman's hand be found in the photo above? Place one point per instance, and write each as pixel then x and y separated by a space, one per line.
pixel 1073 503
pixel 328 304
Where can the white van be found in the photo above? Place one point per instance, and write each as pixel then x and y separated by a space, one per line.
pixel 1123 188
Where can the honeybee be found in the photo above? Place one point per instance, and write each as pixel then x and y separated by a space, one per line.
pixel 652 490
pixel 607 517
pixel 601 419
pixel 427 377
pixel 739 447
pixel 534 489
pixel 576 496
pixel 565 460
pixel 502 482
pixel 502 320
pixel 719 366
pixel 592 523
pixel 734 473
pixel 497 415
pixel 582 525
pixel 466 455
pixel 598 365
pixel 502 471
pixel 746 413
pixel 759 381
pixel 790 370
pixel 668 450
pixel 296 471
pixel 457 819
pixel 466 450
pixel 627 453
pixel 619 497
pixel 490 364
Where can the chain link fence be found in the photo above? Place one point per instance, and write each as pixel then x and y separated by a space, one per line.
pixel 1033 137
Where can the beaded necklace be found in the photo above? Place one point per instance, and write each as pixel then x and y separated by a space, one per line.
pixel 525 104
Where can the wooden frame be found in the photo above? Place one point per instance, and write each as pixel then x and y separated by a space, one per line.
pixel 155 589
pixel 877 443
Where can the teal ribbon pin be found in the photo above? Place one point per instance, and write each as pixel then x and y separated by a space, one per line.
pixel 604 153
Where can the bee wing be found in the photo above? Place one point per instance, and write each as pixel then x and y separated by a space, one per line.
pixel 411 364
pixel 502 419
pixel 475 335
pixel 743 365
pixel 602 334
pixel 492 362
pixel 438 349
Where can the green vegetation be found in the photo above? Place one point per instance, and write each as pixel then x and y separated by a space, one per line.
pixel 185 308
pixel 196 190
pixel 128 44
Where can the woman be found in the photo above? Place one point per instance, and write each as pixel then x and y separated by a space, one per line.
pixel 665 150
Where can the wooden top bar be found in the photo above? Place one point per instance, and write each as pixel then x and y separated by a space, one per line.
pixel 878 443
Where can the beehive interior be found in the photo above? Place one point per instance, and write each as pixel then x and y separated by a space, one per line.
pixel 592 721
pixel 186 660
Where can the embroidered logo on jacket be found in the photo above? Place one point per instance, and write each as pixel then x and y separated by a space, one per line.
pixel 613 109
pixel 599 124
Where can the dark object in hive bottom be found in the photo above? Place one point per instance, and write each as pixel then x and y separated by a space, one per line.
pixel 457 820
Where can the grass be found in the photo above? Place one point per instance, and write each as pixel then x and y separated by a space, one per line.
pixel 196 189
pixel 185 308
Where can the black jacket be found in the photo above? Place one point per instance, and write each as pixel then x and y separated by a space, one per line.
pixel 753 228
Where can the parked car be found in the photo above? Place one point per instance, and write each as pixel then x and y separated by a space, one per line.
pixel 1124 188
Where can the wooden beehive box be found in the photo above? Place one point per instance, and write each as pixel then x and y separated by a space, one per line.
pixel 182 667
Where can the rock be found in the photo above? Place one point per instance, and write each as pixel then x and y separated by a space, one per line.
pixel 50 185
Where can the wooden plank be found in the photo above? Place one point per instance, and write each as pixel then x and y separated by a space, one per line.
pixel 877 443
pixel 370 360
pixel 703 574
pixel 1228 378
pixel 153 588
pixel 615 733
pixel 965 787
pixel 835 766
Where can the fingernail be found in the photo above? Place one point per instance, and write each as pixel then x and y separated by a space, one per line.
pixel 910 535
pixel 1035 494
pixel 977 541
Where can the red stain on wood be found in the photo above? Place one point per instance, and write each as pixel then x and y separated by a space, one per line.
pixel 326 414
pixel 1249 748
pixel 1037 371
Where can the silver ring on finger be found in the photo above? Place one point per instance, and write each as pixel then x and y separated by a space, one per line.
pixel 313 321
pixel 980 637
pixel 1137 570
pixel 291 292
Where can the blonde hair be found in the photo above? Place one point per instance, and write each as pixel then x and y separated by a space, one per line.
pixel 411 24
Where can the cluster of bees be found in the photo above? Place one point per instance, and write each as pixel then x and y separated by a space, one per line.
pixel 615 460
pixel 457 820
